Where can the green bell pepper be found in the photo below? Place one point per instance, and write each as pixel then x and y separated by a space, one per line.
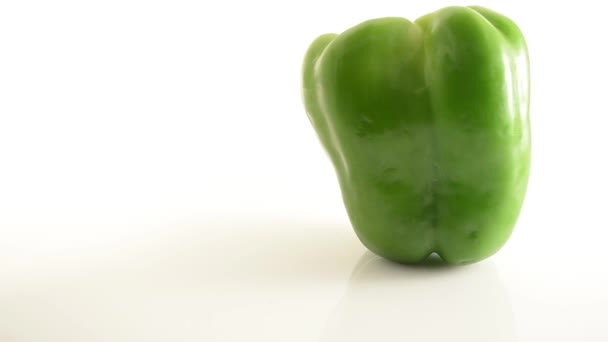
pixel 427 126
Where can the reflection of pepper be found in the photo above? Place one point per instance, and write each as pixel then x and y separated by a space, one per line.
pixel 427 126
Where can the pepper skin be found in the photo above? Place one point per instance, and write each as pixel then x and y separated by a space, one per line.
pixel 427 126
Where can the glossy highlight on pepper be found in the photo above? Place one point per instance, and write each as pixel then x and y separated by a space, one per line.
pixel 427 126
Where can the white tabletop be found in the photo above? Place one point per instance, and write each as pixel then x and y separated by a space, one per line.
pixel 264 279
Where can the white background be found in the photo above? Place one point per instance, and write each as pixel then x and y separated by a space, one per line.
pixel 159 181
